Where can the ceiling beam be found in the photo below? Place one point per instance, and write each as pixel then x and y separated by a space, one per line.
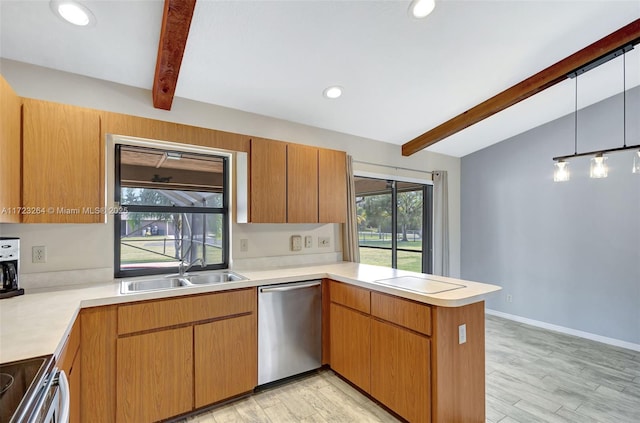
pixel 176 21
pixel 629 34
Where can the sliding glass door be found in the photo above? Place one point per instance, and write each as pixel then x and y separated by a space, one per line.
pixel 394 223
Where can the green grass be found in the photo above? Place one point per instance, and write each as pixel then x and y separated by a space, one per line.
pixel 408 245
pixel 406 260
pixel 157 249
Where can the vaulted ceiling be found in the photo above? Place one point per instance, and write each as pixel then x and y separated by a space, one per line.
pixel 401 76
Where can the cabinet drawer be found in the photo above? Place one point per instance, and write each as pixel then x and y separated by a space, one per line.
pixel 177 311
pixel 407 313
pixel 351 296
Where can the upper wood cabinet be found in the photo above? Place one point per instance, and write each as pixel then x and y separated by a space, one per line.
pixel 268 181
pixel 332 186
pixel 10 154
pixel 293 183
pixel 302 184
pixel 152 129
pixel 63 170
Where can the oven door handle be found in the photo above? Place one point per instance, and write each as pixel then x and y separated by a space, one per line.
pixel 63 383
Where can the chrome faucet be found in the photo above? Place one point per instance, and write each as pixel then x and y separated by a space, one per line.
pixel 184 267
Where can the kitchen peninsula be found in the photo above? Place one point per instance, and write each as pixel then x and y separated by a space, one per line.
pixel 421 355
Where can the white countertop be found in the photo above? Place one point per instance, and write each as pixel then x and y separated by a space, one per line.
pixel 38 322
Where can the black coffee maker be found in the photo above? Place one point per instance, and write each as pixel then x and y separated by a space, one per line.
pixel 9 266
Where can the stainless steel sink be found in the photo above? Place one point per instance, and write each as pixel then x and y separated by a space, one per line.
pixel 176 281
pixel 211 278
pixel 131 286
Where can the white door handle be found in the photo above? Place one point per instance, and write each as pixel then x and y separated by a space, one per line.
pixel 64 397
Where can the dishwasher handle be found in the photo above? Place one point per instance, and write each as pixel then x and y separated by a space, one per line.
pixel 284 288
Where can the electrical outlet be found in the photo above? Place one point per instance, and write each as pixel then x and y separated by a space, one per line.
pixel 323 241
pixel 462 334
pixel 509 298
pixel 308 241
pixel 244 245
pixel 39 254
pixel 296 243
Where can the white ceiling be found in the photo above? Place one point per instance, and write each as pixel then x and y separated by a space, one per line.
pixel 401 76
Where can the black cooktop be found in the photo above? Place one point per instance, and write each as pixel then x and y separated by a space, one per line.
pixel 18 382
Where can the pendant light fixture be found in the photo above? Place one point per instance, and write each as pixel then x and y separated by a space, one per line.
pixel 561 174
pixel 598 167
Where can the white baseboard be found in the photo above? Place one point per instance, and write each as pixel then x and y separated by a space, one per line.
pixel 565 330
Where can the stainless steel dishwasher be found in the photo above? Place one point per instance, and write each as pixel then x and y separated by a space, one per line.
pixel 289 329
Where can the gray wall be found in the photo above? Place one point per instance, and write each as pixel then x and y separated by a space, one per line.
pixel 568 253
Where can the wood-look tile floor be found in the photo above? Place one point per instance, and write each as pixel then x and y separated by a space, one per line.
pixel 533 375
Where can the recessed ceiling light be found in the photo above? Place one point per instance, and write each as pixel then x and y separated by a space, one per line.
pixel 73 12
pixel 332 92
pixel 421 8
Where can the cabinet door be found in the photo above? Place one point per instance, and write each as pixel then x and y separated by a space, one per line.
pixel 155 375
pixel 10 158
pixel 400 371
pixel 302 184
pixel 74 390
pixel 268 181
pixel 226 359
pixel 332 186
pixel 350 345
pixel 98 346
pixel 62 162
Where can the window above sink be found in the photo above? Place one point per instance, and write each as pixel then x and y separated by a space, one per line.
pixel 174 210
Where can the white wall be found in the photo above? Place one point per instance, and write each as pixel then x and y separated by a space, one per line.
pixel 566 253
pixel 91 246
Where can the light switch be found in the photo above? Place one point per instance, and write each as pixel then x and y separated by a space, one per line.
pixel 308 241
pixel 244 245
pixel 296 243
pixel 462 334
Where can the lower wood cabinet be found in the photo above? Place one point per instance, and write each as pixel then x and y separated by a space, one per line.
pixel 69 361
pixel 350 343
pixel 226 359
pixel 400 371
pixel 155 375
pixel 154 360
pixel 406 354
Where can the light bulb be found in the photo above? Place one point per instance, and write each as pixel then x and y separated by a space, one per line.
pixel 636 162
pixel 333 92
pixel 598 167
pixel 73 12
pixel 422 8
pixel 561 173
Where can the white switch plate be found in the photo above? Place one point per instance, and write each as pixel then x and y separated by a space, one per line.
pixel 296 243
pixel 462 334
pixel 323 241
pixel 244 245
pixel 308 241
